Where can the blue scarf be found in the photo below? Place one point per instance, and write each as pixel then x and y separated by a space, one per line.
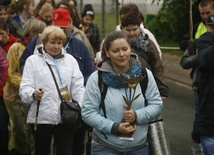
pixel 113 79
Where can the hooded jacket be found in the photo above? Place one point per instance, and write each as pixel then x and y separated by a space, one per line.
pixel 3 70
pixel 37 75
pixel 74 46
pixel 93 115
pixel 205 91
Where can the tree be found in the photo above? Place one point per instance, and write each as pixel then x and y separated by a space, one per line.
pixel 172 20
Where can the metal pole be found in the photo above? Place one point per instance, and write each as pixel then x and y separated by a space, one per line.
pixel 103 18
pixel 190 21
pixel 81 6
pixel 117 10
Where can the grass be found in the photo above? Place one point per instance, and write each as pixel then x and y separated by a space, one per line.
pixel 109 25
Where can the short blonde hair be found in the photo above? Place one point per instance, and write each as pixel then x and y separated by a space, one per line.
pixel 34 26
pixel 55 31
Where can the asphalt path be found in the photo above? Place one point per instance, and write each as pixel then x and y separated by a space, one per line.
pixel 178 118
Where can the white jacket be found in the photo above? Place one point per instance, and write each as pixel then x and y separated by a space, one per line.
pixel 37 75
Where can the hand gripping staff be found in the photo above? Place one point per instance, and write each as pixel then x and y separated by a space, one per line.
pixel 37 112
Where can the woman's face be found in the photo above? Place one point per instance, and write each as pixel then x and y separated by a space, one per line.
pixel 47 17
pixel 87 20
pixel 4 15
pixel 4 36
pixel 30 8
pixel 132 31
pixel 119 54
pixel 53 46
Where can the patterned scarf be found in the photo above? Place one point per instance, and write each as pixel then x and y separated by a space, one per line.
pixel 113 79
pixel 140 43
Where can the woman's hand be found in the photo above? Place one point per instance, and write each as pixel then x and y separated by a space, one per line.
pixel 129 116
pixel 126 128
pixel 37 95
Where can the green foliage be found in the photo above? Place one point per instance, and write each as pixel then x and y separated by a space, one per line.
pixel 172 21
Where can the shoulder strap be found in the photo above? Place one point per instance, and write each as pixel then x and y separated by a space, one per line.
pixel 103 90
pixel 144 82
pixel 55 81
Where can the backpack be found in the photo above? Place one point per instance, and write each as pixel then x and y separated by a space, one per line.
pixel 103 90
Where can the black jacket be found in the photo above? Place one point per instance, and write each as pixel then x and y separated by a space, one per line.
pixel 189 60
pixel 205 91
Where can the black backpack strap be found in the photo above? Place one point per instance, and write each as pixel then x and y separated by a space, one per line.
pixel 144 82
pixel 103 90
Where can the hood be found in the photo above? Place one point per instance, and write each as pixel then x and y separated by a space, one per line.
pixel 39 50
pixel 105 66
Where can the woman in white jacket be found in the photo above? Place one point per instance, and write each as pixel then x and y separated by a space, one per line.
pixel 38 85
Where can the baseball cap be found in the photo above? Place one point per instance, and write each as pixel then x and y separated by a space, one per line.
pixel 210 20
pixel 61 17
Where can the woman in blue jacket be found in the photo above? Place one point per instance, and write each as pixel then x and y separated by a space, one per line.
pixel 124 128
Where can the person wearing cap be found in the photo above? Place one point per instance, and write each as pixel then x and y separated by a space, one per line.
pixel 205 92
pixel 76 31
pixel 91 30
pixel 75 47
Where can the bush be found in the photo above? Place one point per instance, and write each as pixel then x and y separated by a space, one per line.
pixel 172 21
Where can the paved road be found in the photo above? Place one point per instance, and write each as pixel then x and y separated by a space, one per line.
pixel 178 118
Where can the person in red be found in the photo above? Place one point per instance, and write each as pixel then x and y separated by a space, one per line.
pixel 4 120
pixel 6 39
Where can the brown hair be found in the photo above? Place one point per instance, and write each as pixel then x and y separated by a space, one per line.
pixel 131 18
pixel 21 4
pixel 204 3
pixel 129 7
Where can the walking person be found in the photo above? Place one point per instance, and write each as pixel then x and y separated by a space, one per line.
pixel 145 49
pixel 37 85
pixel 119 129
pixel 25 9
pixel 4 118
pixel 21 138
pixel 13 26
pixel 89 28
pixel 131 7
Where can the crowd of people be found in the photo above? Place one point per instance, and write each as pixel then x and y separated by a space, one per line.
pixel 34 38
pixel 197 56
